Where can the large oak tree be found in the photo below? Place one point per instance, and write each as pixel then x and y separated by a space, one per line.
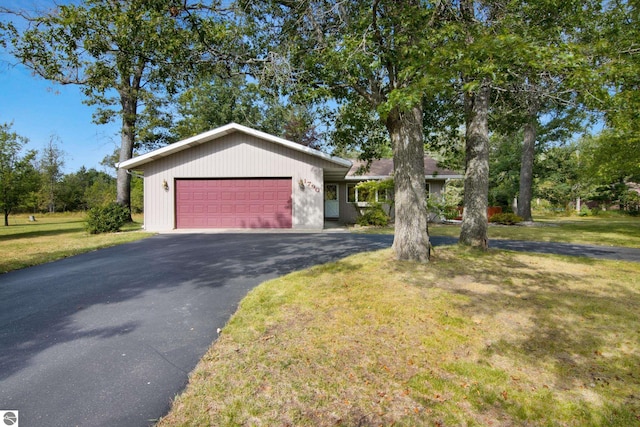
pixel 373 54
pixel 128 56
pixel 617 150
pixel 549 78
pixel 526 51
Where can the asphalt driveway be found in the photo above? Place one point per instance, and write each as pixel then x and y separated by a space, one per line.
pixel 108 338
pixel 556 248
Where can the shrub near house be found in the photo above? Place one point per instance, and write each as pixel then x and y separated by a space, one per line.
pixel 107 219
pixel 507 218
pixel 374 215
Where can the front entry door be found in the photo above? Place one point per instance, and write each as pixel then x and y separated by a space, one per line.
pixel 331 202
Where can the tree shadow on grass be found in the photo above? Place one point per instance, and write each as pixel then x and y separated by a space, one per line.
pixel 554 317
pixel 37 230
pixel 622 227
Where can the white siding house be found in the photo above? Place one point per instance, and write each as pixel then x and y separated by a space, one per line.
pixel 238 177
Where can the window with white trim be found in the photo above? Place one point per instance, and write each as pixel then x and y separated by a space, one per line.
pixel 352 193
pixel 361 195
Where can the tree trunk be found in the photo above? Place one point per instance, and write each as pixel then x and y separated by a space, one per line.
pixel 6 209
pixel 476 179
pixel 127 139
pixel 526 170
pixel 123 178
pixel 411 239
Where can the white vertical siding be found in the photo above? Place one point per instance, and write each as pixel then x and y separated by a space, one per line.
pixel 237 155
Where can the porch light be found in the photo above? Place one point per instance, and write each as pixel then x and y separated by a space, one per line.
pixel 301 184
pixel 165 185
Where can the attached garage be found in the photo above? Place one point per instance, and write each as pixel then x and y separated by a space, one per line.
pixel 233 203
pixel 235 177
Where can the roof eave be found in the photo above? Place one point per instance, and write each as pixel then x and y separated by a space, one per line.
pixel 443 176
pixel 380 177
pixel 367 177
pixel 218 133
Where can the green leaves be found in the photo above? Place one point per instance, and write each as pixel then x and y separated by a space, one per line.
pixel 613 155
pixel 107 219
pixel 18 175
pixel 128 57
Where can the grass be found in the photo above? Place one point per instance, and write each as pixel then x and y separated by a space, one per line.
pixel 54 236
pixel 496 338
pixel 613 230
pixel 476 339
pixel 604 230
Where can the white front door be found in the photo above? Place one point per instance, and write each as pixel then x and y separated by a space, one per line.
pixel 331 201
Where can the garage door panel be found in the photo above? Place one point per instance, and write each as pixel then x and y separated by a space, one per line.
pixel 234 203
pixel 227 209
pixel 185 196
pixel 228 223
pixel 241 209
pixel 269 209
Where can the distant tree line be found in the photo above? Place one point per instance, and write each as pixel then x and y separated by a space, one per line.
pixel 34 182
pixel 570 177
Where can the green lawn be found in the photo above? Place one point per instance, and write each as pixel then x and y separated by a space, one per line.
pixel 470 339
pixel 605 230
pixel 54 236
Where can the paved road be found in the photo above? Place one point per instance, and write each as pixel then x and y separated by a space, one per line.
pixel 570 249
pixel 589 251
pixel 107 338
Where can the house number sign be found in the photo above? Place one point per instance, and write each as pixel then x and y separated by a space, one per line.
pixel 306 183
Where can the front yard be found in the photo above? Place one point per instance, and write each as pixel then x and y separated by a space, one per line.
pixel 496 338
pixel 477 339
pixel 54 236
pixel 605 230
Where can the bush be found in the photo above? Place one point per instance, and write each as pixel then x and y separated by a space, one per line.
pixel 585 211
pixel 107 219
pixel 374 215
pixel 438 209
pixel 505 218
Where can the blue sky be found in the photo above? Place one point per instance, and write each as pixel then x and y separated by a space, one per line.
pixel 41 110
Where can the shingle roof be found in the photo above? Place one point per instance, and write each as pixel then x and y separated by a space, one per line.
pixel 383 168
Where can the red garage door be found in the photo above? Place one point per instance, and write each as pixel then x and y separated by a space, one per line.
pixel 233 203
